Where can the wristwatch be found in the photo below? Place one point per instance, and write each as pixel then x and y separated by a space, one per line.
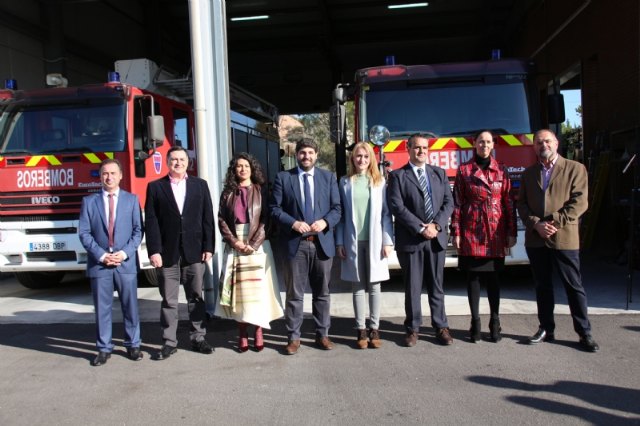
pixel 438 227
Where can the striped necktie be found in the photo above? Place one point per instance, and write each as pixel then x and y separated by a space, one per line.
pixel 428 205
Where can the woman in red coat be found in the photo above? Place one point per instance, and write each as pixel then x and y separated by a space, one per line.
pixel 483 227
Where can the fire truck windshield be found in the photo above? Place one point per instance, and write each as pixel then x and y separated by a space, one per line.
pixel 27 129
pixel 446 110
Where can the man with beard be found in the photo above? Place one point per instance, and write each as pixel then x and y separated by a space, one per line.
pixel 306 205
pixel 553 196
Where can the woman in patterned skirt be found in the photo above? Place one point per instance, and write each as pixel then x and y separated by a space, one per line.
pixel 249 286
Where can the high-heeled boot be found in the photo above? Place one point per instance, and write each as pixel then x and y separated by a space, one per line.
pixel 474 331
pixel 495 329
pixel 258 339
pixel 243 337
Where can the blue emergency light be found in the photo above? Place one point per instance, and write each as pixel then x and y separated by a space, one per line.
pixel 390 60
pixel 113 77
pixel 11 84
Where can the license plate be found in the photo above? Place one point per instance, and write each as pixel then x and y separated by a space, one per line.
pixel 55 246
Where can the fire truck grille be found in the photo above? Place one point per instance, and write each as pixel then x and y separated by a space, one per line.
pixel 50 231
pixel 51 256
pixel 44 217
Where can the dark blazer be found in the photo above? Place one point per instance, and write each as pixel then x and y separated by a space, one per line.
pixel 168 231
pixel 287 207
pixel 406 201
pixel 93 231
pixel 564 201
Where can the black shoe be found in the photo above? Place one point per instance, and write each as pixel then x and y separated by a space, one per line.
pixel 474 331
pixel 495 329
pixel 202 346
pixel 541 336
pixel 101 359
pixel 134 354
pixel 165 352
pixel 588 344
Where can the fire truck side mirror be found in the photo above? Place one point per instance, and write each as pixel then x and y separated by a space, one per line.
pixel 337 118
pixel 155 127
pixel 555 108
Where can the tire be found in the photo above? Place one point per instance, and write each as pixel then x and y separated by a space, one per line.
pixel 149 277
pixel 38 280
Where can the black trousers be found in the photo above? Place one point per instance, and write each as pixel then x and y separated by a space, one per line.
pixel 566 263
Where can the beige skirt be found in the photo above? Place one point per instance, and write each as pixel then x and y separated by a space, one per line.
pixel 249 290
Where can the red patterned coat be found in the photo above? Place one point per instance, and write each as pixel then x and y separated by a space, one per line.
pixel 484 213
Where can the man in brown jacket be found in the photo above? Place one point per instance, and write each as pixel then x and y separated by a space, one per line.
pixel 553 196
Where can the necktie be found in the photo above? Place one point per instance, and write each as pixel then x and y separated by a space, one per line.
pixel 428 205
pixel 111 219
pixel 308 205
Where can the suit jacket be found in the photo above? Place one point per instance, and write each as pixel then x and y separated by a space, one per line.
pixel 287 207
pixel 168 231
pixel 380 233
pixel 93 231
pixel 406 202
pixel 564 201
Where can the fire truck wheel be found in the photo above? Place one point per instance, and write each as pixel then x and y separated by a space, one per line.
pixel 36 280
pixel 149 278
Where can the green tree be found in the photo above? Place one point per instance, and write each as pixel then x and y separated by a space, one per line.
pixel 316 127
pixel 572 137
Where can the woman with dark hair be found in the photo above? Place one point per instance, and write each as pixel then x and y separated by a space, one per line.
pixel 483 228
pixel 248 285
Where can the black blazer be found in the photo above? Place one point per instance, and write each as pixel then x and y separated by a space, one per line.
pixel 406 201
pixel 167 230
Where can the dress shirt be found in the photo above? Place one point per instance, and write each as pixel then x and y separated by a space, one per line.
pixel 426 177
pixel 105 198
pixel 301 181
pixel 546 172
pixel 179 188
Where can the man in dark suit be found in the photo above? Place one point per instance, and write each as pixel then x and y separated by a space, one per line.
pixel 420 199
pixel 180 240
pixel 306 205
pixel 110 230
pixel 553 196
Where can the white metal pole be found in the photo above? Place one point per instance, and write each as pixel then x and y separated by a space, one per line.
pixel 211 108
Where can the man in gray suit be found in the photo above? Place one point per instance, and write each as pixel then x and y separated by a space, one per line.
pixel 420 198
pixel 306 205
pixel 111 230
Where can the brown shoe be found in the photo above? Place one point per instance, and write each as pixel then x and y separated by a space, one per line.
pixel 374 339
pixel 292 347
pixel 443 336
pixel 324 343
pixel 411 339
pixel 362 339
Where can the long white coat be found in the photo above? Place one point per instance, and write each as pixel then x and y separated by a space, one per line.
pixel 380 233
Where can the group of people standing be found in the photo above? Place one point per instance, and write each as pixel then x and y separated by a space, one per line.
pixel 318 218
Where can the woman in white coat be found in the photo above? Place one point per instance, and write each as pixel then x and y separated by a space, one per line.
pixel 364 238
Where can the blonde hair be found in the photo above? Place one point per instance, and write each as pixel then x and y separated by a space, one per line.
pixel 372 171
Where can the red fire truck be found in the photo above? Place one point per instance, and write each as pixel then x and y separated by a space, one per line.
pixel 52 142
pixel 450 102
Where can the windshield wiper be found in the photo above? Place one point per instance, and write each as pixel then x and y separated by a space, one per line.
pixel 19 152
pixel 78 149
